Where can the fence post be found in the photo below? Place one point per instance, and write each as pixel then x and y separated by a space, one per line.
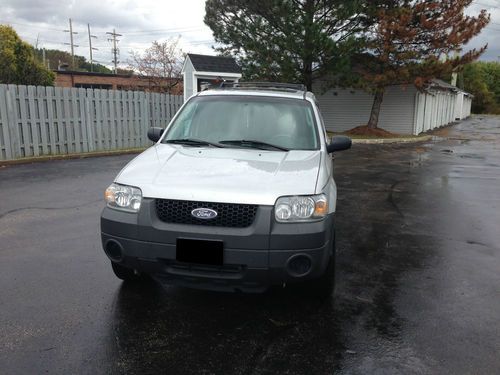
pixel 31 122
pixel 50 119
pixel 70 129
pixel 79 103
pixel 4 121
pixel 98 125
pixel 147 117
pixel 137 119
pixel 88 94
pixel 44 127
pixel 15 138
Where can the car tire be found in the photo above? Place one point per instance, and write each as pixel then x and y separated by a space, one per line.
pixel 324 286
pixel 125 273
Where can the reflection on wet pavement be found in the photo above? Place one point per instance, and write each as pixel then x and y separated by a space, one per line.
pixel 418 276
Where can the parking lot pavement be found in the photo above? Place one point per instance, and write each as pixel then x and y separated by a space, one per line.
pixel 418 276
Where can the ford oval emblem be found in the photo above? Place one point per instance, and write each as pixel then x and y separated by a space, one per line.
pixel 204 213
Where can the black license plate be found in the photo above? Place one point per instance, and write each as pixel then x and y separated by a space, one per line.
pixel 199 251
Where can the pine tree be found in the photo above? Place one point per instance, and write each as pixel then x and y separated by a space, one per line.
pixel 286 40
pixel 414 41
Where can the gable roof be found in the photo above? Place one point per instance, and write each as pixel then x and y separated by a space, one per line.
pixel 440 84
pixel 205 63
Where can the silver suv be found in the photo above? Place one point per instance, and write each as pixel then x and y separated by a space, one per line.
pixel 237 193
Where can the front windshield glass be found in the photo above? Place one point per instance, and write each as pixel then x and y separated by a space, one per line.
pixel 286 123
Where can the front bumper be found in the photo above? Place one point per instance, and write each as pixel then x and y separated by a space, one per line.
pixel 255 257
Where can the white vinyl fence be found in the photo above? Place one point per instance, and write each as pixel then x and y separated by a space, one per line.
pixel 37 121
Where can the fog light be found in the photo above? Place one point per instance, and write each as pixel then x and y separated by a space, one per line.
pixel 113 250
pixel 299 265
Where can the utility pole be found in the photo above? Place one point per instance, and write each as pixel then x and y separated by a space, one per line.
pixel 91 48
pixel 115 51
pixel 71 33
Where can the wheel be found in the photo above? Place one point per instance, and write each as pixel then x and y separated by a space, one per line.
pixel 324 286
pixel 125 273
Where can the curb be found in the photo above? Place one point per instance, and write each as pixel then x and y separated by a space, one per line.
pixel 424 138
pixel 138 150
pixel 85 155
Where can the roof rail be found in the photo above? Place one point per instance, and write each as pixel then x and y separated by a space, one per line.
pixel 263 86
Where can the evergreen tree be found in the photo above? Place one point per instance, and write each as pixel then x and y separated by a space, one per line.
pixel 18 64
pixel 286 40
pixel 414 41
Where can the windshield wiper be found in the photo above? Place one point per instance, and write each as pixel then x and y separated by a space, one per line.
pixel 193 142
pixel 254 144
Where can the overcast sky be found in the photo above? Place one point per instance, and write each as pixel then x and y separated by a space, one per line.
pixel 142 21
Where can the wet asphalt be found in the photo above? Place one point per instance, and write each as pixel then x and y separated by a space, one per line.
pixel 418 276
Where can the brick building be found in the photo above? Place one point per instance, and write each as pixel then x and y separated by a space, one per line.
pixel 67 78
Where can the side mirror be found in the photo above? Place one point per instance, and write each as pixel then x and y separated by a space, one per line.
pixel 154 134
pixel 339 143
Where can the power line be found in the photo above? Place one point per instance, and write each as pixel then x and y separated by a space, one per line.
pixel 129 33
pixel 45 40
pixel 486 5
pixel 164 31
pixel 115 51
pixel 30 25
pixel 77 38
pixel 175 29
pixel 91 48
pixel 71 32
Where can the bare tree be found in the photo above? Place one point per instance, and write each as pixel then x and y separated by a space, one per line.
pixel 160 64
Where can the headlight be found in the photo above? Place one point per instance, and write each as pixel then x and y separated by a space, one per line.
pixel 122 197
pixel 300 208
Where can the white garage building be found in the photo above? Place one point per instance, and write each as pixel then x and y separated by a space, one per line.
pixel 405 110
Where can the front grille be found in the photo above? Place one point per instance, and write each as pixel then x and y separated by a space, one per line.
pixel 228 214
pixel 229 271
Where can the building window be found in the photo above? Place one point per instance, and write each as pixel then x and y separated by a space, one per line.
pixel 93 86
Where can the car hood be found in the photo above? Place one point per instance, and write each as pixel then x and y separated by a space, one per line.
pixel 228 175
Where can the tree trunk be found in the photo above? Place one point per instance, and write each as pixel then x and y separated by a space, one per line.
pixel 308 56
pixel 377 104
pixel 308 77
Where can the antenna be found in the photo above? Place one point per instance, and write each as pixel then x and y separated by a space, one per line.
pixel 115 51
pixel 91 48
pixel 71 33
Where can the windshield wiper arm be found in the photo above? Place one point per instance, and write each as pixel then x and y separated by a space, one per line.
pixel 193 142
pixel 254 144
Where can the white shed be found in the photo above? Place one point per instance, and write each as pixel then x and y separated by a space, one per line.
pixel 463 105
pixel 203 69
pixel 405 110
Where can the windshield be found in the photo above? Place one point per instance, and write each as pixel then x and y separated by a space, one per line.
pixel 244 121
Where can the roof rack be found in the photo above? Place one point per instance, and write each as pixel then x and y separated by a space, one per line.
pixel 276 86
